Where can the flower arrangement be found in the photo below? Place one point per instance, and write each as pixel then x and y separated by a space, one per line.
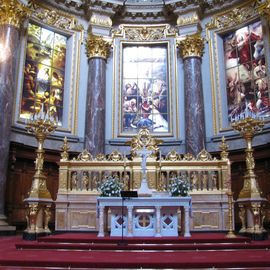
pixel 178 187
pixel 111 187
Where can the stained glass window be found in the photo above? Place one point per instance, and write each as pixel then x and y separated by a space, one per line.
pixel 145 88
pixel 44 70
pixel 246 73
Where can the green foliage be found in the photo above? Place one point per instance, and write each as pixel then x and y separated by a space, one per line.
pixel 178 187
pixel 111 187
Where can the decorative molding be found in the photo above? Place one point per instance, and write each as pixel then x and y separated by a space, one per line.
pixel 97 47
pixel 191 46
pixel 184 20
pixel 100 20
pixel 145 32
pixel 233 17
pixel 53 17
pixel 263 8
pixel 12 12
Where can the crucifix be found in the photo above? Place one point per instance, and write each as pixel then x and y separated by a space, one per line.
pixel 144 153
pixel 144 189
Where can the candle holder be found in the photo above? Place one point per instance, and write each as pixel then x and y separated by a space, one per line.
pixel 39 200
pixel 251 204
pixel 248 127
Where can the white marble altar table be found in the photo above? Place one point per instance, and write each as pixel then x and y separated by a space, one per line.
pixel 144 216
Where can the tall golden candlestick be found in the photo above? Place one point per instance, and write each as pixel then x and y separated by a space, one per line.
pixel 248 127
pixel 250 202
pixel 230 233
pixel 41 128
pixel 38 210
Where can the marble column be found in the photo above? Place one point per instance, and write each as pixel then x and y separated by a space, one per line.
pixel 97 51
pixel 12 14
pixel 191 49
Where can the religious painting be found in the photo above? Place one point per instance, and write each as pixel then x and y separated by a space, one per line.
pixel 144 96
pixel 246 73
pixel 44 73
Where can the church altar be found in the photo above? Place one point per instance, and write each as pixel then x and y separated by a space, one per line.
pixel 81 177
pixel 144 216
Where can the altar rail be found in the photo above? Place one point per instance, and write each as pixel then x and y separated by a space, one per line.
pixel 80 178
pixel 203 173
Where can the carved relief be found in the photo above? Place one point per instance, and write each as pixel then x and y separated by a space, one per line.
pixel 144 33
pixel 53 17
pixel 232 17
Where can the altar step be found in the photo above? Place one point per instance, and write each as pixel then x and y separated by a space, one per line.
pixel 90 238
pixel 87 251
pixel 90 241
pixel 125 246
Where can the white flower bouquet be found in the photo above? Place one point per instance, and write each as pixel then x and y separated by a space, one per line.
pixel 178 187
pixel 111 187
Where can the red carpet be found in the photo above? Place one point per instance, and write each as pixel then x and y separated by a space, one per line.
pixel 85 250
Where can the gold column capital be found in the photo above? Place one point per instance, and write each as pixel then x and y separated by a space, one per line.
pixel 12 12
pixel 263 8
pixel 96 46
pixel 192 45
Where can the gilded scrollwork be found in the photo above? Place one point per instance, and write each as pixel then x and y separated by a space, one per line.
pixel 263 7
pixel 144 139
pixel 84 156
pixel 115 156
pixel 188 157
pixel 191 46
pixel 144 33
pixel 100 157
pixel 13 13
pixel 204 156
pixel 233 17
pixel 96 46
pixel 173 156
pixel 54 17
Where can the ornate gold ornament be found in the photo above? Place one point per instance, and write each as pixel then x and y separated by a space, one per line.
pixel 224 149
pixel 191 46
pixel 263 8
pixel 144 139
pixel 100 157
pixel 204 156
pixel 12 12
pixel 233 17
pixel 173 156
pixel 145 32
pixel 41 128
pixel 84 156
pixel 115 156
pixel 188 157
pixel 248 127
pixel 230 233
pixel 65 148
pixel 97 47
pixel 53 17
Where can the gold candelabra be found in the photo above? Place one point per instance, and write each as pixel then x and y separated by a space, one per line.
pixel 230 233
pixel 41 128
pixel 38 210
pixel 248 127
